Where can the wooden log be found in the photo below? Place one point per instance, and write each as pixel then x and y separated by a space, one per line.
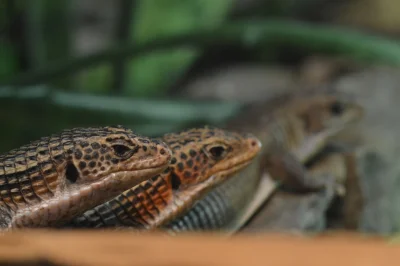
pixel 125 248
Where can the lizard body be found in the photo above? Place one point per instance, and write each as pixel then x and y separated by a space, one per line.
pixel 202 159
pixel 344 209
pixel 290 128
pixel 55 178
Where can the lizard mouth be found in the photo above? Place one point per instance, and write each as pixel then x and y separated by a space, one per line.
pixel 220 177
pixel 226 173
pixel 192 193
pixel 230 171
pixel 136 171
pixel 83 197
pixel 76 198
pixel 133 177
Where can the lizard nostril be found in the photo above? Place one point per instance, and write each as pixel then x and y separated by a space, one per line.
pixel 255 143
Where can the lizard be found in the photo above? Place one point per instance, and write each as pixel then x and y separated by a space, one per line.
pixel 292 129
pixel 202 158
pixel 338 207
pixel 53 179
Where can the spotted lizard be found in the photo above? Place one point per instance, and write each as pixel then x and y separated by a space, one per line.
pixel 292 129
pixel 55 178
pixel 202 158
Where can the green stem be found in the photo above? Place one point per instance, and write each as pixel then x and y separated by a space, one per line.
pixel 126 8
pixel 168 110
pixel 35 44
pixel 268 33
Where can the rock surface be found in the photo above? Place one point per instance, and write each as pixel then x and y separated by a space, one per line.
pixel 290 212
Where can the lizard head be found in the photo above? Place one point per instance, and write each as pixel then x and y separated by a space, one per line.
pixel 80 168
pixel 330 113
pixel 314 119
pixel 297 115
pixel 204 157
pixel 112 155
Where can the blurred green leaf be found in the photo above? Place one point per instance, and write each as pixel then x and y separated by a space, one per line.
pixel 8 61
pixel 268 36
pixel 151 74
pixel 36 48
pixel 55 21
pixel 33 112
pixel 7 9
pixel 96 79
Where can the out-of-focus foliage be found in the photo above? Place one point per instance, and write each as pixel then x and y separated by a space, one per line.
pixel 8 62
pixel 96 80
pixel 149 75
pixel 32 112
pixel 160 18
pixel 8 53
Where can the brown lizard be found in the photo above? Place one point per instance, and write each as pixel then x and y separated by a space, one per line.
pixel 56 178
pixel 202 158
pixel 344 209
pixel 292 128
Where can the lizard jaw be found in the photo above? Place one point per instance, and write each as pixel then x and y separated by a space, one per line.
pixel 184 199
pixel 48 212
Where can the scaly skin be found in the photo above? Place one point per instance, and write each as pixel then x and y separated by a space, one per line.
pixel 51 180
pixel 298 125
pixel 202 159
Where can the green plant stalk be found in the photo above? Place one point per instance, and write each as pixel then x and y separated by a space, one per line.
pixel 152 74
pixel 123 31
pixel 35 45
pixel 168 110
pixel 32 112
pixel 270 34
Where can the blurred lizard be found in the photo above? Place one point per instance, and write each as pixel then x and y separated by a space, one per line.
pixel 292 129
pixel 338 208
pixel 53 179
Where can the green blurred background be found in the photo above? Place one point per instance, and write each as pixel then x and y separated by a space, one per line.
pixel 70 63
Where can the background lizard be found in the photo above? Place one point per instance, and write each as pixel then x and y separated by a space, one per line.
pixel 202 158
pixel 316 211
pixel 56 178
pixel 292 128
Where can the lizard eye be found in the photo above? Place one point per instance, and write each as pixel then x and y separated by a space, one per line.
pixel 217 152
pixel 337 108
pixel 121 150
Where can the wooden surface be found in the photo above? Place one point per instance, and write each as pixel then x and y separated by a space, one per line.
pixel 124 248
